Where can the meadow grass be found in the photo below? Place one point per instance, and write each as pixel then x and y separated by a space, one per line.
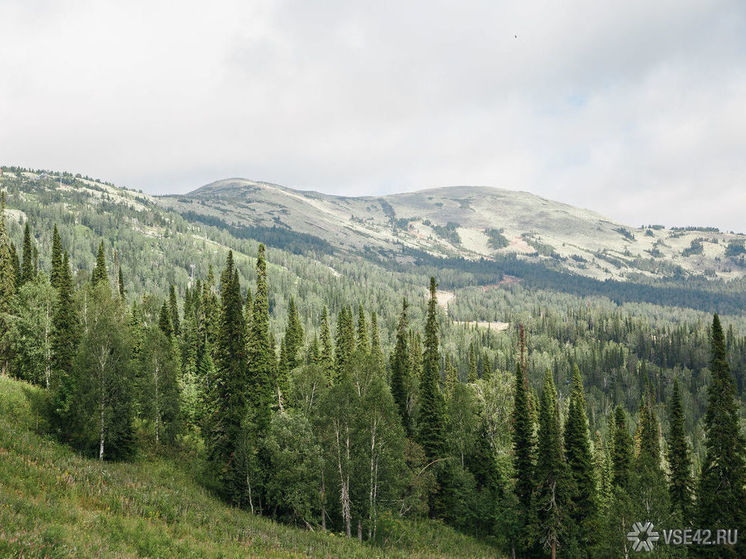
pixel 55 503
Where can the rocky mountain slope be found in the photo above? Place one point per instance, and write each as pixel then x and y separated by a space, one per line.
pixel 473 223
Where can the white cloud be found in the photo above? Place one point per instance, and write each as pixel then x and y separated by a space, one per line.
pixel 631 108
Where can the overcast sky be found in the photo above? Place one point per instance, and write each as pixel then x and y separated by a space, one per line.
pixel 635 109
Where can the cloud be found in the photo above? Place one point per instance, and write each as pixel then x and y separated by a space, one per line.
pixel 631 108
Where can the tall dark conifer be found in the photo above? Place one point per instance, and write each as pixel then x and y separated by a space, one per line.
pixel 262 359
pixel 229 411
pixel 27 264
pixel 679 460
pixel 56 271
pixel 375 341
pixel 400 365
pixel 173 309
pixel 99 272
pixel 327 353
pixel 431 412
pixel 362 330
pixel 524 448
pixel 580 461
pixel 621 453
pixel 721 499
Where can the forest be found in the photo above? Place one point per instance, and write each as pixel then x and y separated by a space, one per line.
pixel 550 439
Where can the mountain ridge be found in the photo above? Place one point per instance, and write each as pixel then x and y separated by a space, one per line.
pixel 471 222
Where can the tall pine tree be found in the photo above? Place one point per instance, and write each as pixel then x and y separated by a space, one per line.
pixel 721 499
pixel 400 364
pixel 679 460
pixel 580 461
pixel 431 412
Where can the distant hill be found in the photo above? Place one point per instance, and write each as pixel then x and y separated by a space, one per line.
pixel 467 222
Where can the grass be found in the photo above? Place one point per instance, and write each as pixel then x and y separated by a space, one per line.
pixel 54 503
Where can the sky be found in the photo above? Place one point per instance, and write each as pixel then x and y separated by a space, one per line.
pixel 634 109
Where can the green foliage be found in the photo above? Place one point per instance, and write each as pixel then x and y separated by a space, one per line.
pixel 496 238
pixel 95 408
pixel 721 497
pixel 431 413
pixel 154 506
pixel 679 459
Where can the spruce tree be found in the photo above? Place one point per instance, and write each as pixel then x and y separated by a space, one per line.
pixel 7 286
pixel 99 272
pixel 173 309
pixel 229 390
pixel 293 336
pixel 56 271
pixel 327 352
pixel 431 412
pixel 400 364
pixel 721 499
pixel 262 359
pixel 679 460
pixel 164 321
pixel 553 480
pixel 523 443
pixel 27 264
pixel 375 341
pixel 7 265
pixel 621 457
pixel 362 330
pixel 581 463
pixel 65 327
pixel 345 342
pixel 473 376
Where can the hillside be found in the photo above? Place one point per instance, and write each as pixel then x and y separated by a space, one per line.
pixel 470 222
pixel 53 503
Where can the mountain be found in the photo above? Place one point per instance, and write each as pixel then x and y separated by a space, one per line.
pixel 470 223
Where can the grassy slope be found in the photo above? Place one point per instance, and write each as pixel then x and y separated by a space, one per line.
pixel 53 503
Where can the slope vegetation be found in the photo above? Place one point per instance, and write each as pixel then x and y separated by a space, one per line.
pixel 54 503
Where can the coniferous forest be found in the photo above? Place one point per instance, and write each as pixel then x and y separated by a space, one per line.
pixel 356 407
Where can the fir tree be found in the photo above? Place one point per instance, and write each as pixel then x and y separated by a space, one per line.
pixel 56 271
pixel 362 330
pixel 553 481
pixel 327 354
pixel 226 425
pixel 375 341
pixel 523 443
pixel 164 321
pixel 65 329
pixel 581 463
pixel 679 460
pixel 431 401
pixel 120 285
pixel 721 499
pixel 400 364
pixel 473 376
pixel 27 265
pixel 99 272
pixel 262 359
pixel 173 309
pixel 7 286
pixel 621 450
pixel 345 342
pixel 7 266
pixel 293 336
